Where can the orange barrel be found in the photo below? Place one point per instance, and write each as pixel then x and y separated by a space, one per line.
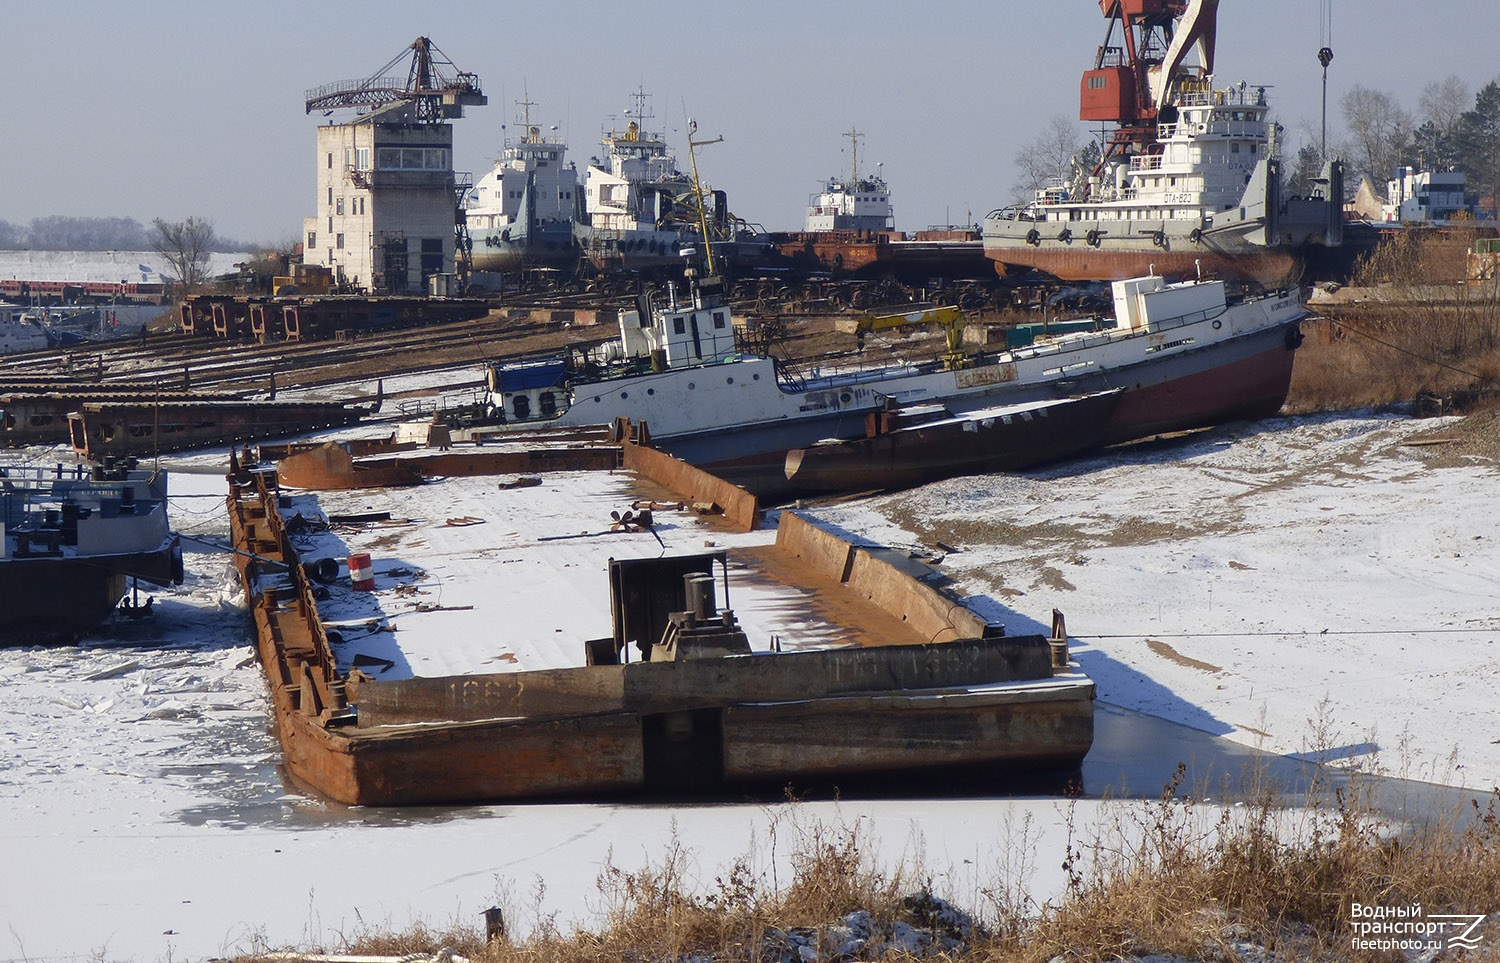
pixel 361 572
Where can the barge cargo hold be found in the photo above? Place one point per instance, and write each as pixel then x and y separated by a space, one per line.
pixel 459 683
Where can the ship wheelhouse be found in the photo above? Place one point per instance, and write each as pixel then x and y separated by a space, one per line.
pixel 1208 146
pixel 529 185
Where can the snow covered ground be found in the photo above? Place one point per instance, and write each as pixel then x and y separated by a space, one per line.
pixel 100 266
pixel 1295 585
pixel 1246 582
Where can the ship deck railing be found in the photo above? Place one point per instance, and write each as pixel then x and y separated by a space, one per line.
pixel 1202 94
pixel 26 503
pixel 1087 339
pixel 1058 346
pixel 54 480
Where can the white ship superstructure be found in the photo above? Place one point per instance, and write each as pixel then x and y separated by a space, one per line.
pixel 854 203
pixel 525 210
pixel 1189 179
pixel 636 200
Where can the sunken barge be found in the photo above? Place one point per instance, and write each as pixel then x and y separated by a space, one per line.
pixel 677 698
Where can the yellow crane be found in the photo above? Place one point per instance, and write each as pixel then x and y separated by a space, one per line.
pixel 949 317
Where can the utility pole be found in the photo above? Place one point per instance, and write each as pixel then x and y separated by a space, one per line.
pixel 1325 57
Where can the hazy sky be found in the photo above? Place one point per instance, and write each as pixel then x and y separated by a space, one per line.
pixel 178 108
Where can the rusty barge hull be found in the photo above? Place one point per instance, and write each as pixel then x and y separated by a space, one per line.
pixel 664 726
pixel 882 254
pixel 99 429
pixel 315 317
pixel 1079 262
pixel 41 417
pixel 972 698
pixel 1002 439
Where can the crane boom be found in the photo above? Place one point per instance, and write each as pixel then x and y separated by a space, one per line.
pixel 433 83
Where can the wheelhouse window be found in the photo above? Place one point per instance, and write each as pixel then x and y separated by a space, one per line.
pixel 412 158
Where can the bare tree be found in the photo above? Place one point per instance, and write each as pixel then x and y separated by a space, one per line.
pixel 1047 159
pixel 1443 103
pixel 1380 128
pixel 184 245
pixel 1302 178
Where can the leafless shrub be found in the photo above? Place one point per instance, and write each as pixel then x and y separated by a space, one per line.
pixel 1182 875
pixel 1419 331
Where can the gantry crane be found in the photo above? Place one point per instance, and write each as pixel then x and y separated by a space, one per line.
pixel 1130 80
pixel 438 94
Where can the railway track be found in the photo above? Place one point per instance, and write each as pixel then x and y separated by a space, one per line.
pixel 451 355
pixel 205 363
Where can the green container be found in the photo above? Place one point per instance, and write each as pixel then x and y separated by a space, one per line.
pixel 1024 334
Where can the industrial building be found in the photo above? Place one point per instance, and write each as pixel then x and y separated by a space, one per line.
pixel 388 200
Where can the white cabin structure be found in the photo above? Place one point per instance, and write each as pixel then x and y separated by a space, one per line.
pixel 386 202
pixel 1427 197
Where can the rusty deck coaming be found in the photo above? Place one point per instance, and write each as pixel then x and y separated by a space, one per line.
pixel 331 750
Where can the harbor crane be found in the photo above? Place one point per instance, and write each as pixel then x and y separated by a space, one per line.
pixel 1132 77
pixel 437 88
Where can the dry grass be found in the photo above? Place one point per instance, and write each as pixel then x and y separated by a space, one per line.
pixel 1191 879
pixel 1182 875
pixel 1419 333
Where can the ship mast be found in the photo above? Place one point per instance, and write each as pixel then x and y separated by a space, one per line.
pixel 854 137
pixel 708 248
pixel 529 135
pixel 639 111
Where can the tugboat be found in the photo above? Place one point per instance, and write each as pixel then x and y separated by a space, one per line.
pixel 1185 354
pixel 1188 179
pixel 850 232
pixel 643 212
pixel 527 211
